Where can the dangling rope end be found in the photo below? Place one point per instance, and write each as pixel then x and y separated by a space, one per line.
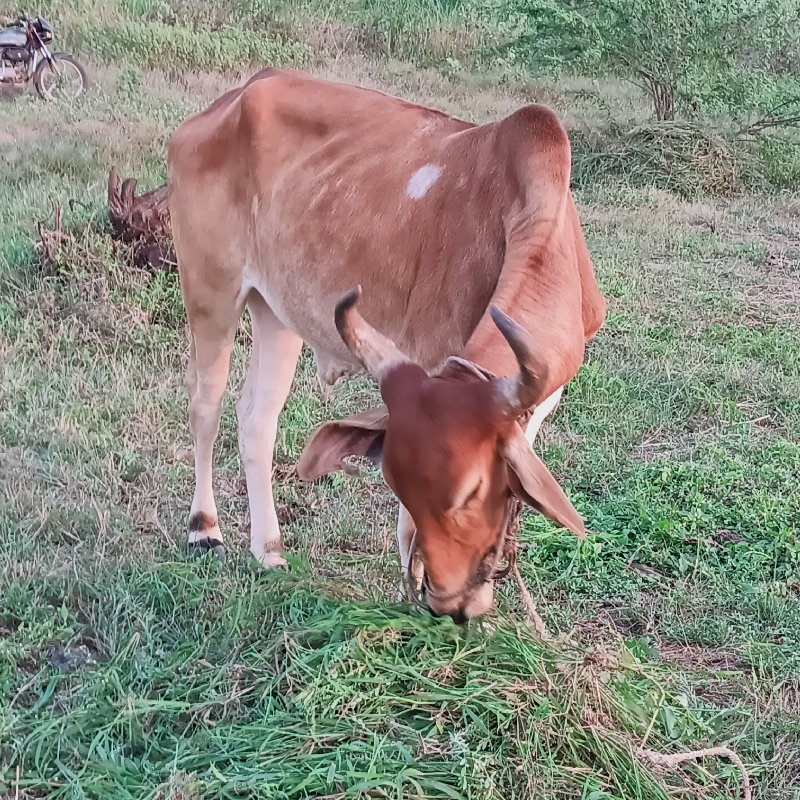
pixel 530 606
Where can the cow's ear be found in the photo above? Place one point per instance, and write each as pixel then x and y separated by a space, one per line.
pixel 360 435
pixel 533 483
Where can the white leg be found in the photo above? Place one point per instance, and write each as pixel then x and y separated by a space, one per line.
pixel 269 378
pixel 206 379
pixel 541 411
pixel 405 534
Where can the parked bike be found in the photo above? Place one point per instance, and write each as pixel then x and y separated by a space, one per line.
pixel 24 56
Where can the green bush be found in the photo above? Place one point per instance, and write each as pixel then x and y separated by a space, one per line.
pixel 162 46
pixel 775 164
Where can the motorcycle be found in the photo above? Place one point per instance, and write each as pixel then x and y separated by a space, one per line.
pixel 24 55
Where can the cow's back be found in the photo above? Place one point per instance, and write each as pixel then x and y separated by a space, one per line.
pixel 300 189
pixel 314 187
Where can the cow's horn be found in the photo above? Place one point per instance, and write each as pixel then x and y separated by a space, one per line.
pixel 519 393
pixel 375 352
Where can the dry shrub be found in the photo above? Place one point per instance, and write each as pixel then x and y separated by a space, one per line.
pixel 101 284
pixel 677 156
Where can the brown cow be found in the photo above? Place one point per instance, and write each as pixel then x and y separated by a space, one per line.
pixel 290 191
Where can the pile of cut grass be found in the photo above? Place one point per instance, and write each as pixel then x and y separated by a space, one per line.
pixel 690 160
pixel 193 680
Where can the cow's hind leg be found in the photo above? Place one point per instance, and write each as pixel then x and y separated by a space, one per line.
pixel 206 379
pixel 269 378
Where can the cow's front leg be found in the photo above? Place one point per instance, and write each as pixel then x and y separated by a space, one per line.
pixel 405 540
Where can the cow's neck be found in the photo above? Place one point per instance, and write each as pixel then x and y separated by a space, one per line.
pixel 540 288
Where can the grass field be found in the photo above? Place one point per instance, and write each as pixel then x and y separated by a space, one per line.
pixel 128 670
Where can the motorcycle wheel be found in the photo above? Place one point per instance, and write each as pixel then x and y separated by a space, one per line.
pixel 65 80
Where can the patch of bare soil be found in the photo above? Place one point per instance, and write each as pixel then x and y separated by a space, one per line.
pixel 14 136
pixel 697 658
pixel 723 685
pixel 68 658
pixel 660 443
pixel 776 287
pixel 607 624
pixel 725 536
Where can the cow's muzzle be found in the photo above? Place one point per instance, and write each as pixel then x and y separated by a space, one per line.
pixel 476 596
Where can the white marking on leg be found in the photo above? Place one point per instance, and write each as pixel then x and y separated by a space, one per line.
pixel 540 412
pixel 269 378
pixel 422 180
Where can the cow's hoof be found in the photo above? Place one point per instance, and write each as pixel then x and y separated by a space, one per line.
pixel 272 560
pixel 203 547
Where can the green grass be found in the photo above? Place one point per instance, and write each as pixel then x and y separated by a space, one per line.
pixel 157 44
pixel 127 670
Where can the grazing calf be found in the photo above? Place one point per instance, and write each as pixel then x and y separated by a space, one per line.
pixel 290 191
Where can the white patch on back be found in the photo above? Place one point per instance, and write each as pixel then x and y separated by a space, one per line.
pixel 422 180
pixel 254 205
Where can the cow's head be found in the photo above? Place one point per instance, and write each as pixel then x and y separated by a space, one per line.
pixel 453 452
